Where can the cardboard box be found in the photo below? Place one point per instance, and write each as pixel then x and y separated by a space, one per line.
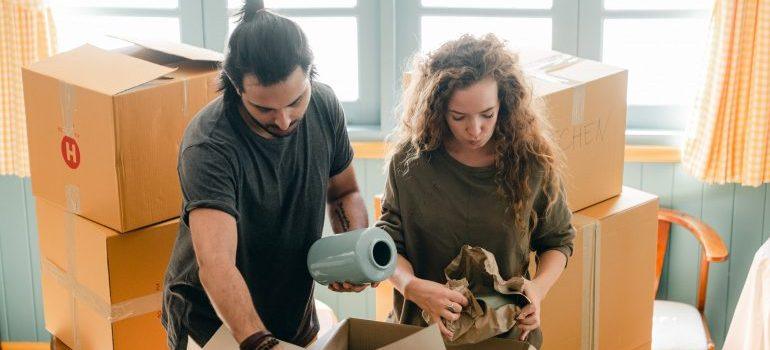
pixel 624 273
pixel 567 312
pixel 356 334
pixel 105 127
pixel 614 268
pixel 604 299
pixel 101 289
pixel 586 101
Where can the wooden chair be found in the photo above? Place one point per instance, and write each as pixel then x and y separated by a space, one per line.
pixel 678 325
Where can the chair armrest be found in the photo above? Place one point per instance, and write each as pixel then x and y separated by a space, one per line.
pixel 713 246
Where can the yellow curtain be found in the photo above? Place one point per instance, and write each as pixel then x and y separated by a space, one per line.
pixel 729 138
pixel 26 35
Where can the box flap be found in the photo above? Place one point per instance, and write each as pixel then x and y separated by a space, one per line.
pixel 628 199
pixel 561 68
pixel 186 51
pixel 428 338
pixel 355 334
pixel 99 70
pixel 334 339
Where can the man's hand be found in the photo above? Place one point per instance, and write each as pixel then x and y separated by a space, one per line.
pixel 345 287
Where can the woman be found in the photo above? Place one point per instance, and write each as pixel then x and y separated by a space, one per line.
pixel 473 164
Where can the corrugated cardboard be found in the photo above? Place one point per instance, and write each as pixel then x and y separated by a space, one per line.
pixel 356 334
pixel 586 101
pixel 625 255
pixel 567 312
pixel 105 127
pixel 102 289
pixel 614 268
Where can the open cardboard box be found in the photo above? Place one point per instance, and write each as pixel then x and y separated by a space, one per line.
pixel 358 334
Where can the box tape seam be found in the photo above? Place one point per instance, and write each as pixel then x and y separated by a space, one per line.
pixel 67 97
pixel 546 69
pixel 114 313
pixel 578 104
pixel 597 283
pixel 185 97
pixel 588 232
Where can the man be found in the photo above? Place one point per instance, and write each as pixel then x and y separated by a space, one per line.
pixel 257 167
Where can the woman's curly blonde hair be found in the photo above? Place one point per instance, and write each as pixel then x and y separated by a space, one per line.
pixel 524 147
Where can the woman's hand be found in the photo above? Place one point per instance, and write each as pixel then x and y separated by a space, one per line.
pixel 437 300
pixel 529 317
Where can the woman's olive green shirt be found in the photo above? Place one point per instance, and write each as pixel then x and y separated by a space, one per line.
pixel 437 204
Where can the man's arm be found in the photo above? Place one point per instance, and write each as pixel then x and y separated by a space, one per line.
pixel 347 212
pixel 214 237
pixel 345 204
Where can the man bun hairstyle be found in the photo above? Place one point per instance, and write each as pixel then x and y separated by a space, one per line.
pixel 265 44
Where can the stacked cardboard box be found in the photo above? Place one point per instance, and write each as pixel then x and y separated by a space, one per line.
pixel 604 297
pixel 104 132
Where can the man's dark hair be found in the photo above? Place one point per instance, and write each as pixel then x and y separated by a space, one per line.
pixel 265 44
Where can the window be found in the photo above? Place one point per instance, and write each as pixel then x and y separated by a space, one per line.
pixel 79 21
pixel 362 46
pixel 662 44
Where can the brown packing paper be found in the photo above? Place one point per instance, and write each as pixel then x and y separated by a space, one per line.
pixel 493 303
pixel 101 289
pixel 114 142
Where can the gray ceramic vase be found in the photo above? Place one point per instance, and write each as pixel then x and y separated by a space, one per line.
pixel 361 256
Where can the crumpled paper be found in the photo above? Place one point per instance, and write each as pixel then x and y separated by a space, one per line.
pixel 493 303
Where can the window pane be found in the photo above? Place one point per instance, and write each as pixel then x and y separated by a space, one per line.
pixel 292 4
pixel 155 4
pixel 334 41
pixel 663 57
pixel 519 31
pixel 657 4
pixel 75 30
pixel 496 4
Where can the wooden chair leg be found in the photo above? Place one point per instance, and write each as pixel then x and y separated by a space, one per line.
pixel 709 340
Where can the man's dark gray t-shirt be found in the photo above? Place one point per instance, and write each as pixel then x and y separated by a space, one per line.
pixel 276 190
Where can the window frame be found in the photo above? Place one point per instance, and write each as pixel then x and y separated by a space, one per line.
pixel 389 34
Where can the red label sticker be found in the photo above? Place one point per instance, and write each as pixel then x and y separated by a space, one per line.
pixel 70 152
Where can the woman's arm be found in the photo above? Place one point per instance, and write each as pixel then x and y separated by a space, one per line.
pixel 434 298
pixel 552 240
pixel 549 268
